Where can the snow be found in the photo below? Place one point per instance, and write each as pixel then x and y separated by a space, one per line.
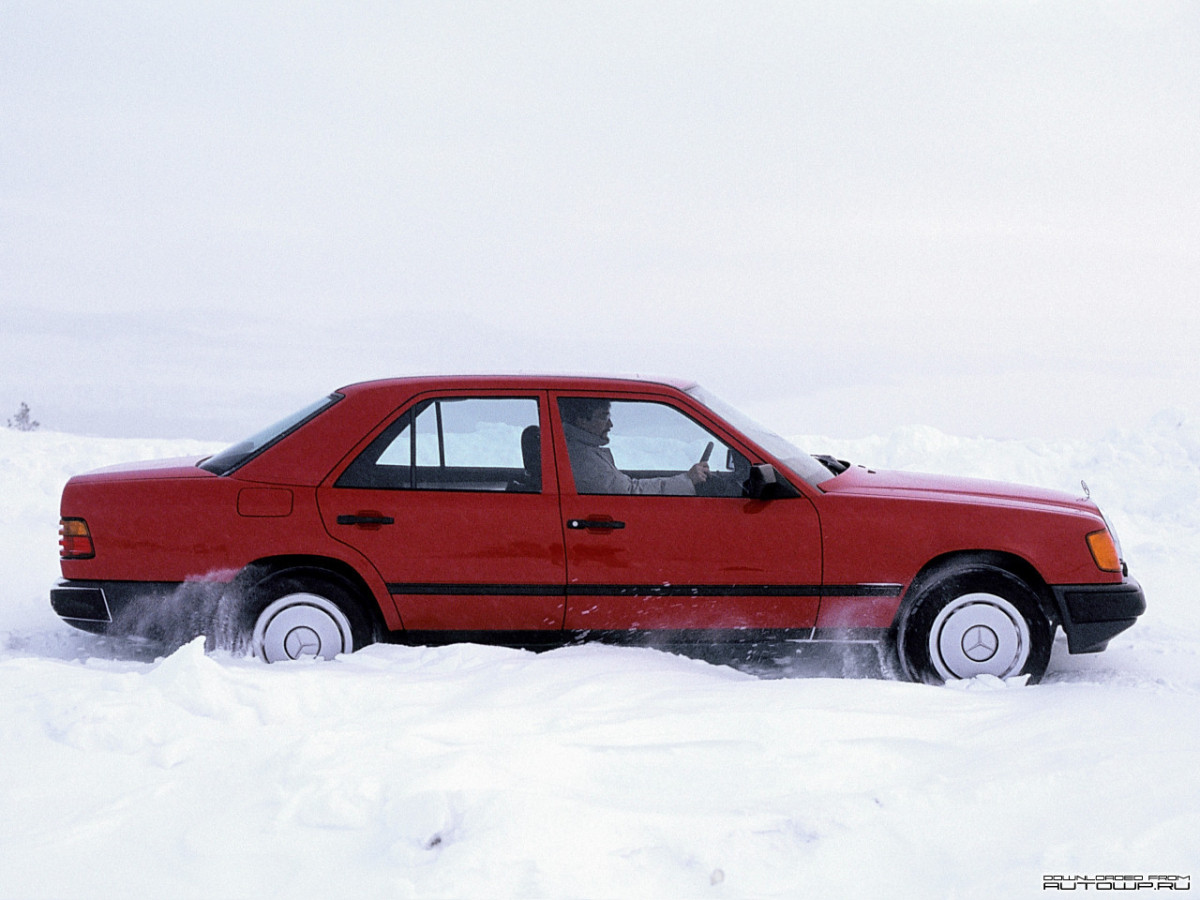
pixel 595 771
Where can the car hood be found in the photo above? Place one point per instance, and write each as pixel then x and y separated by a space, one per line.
pixel 181 467
pixel 861 481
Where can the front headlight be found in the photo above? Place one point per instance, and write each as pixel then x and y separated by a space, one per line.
pixel 1113 532
pixel 1106 547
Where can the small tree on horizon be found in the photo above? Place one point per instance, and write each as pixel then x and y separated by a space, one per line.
pixel 21 421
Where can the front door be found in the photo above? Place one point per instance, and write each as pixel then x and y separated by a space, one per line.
pixel 449 503
pixel 649 548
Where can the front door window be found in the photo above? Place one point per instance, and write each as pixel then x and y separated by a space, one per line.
pixel 636 447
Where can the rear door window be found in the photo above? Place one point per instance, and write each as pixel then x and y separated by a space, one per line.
pixel 455 444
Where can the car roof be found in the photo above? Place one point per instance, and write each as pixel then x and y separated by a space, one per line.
pixel 518 382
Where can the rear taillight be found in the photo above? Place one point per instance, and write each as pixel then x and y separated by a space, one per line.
pixel 74 539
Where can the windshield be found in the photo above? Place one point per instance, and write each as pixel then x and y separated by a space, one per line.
pixel 243 451
pixel 798 462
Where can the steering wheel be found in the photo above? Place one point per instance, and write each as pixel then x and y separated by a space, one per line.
pixel 724 483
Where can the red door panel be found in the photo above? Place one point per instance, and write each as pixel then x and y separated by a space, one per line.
pixel 691 563
pixel 454 502
pixel 658 555
pixel 459 561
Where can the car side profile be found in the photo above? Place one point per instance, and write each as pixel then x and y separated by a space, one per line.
pixel 535 512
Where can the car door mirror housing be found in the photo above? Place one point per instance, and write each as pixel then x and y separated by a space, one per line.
pixel 765 483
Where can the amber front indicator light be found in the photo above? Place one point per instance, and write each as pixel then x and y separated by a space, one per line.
pixel 74 540
pixel 1104 551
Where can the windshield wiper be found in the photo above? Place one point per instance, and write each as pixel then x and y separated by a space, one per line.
pixel 833 464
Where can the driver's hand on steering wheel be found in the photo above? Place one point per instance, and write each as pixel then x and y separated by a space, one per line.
pixel 698 473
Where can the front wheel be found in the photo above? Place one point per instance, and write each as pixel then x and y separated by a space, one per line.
pixel 974 621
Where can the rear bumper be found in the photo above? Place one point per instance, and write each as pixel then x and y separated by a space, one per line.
pixel 133 607
pixel 1092 614
pixel 82 604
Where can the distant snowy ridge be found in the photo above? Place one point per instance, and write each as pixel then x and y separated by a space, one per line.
pixel 1153 472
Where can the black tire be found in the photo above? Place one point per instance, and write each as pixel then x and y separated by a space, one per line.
pixel 297 613
pixel 974 620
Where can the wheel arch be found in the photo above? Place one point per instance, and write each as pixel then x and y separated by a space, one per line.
pixel 965 559
pixel 319 566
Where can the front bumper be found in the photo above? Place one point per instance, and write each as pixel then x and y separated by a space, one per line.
pixel 1093 614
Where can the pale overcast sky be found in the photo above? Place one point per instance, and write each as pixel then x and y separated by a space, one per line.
pixel 843 217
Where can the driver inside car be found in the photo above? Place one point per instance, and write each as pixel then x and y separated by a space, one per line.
pixel 586 424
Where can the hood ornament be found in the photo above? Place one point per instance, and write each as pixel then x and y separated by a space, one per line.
pixel 1087 493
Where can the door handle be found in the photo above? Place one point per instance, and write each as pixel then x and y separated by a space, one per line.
pixel 595 523
pixel 365 519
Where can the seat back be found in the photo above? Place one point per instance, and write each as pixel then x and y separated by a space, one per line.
pixel 530 481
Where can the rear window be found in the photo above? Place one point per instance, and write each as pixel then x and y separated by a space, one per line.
pixel 243 451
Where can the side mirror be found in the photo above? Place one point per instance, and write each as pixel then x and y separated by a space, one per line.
pixel 765 483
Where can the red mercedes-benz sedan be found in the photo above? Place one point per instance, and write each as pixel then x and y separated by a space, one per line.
pixel 538 511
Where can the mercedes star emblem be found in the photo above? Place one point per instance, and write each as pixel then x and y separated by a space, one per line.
pixel 980 643
pixel 302 641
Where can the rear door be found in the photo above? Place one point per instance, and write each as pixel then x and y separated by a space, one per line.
pixel 454 502
pixel 666 557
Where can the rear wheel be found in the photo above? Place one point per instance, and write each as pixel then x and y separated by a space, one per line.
pixel 977 620
pixel 300 614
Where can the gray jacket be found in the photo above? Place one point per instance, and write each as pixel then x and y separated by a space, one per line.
pixel 596 473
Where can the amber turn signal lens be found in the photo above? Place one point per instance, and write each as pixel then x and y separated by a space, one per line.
pixel 1104 551
pixel 75 540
